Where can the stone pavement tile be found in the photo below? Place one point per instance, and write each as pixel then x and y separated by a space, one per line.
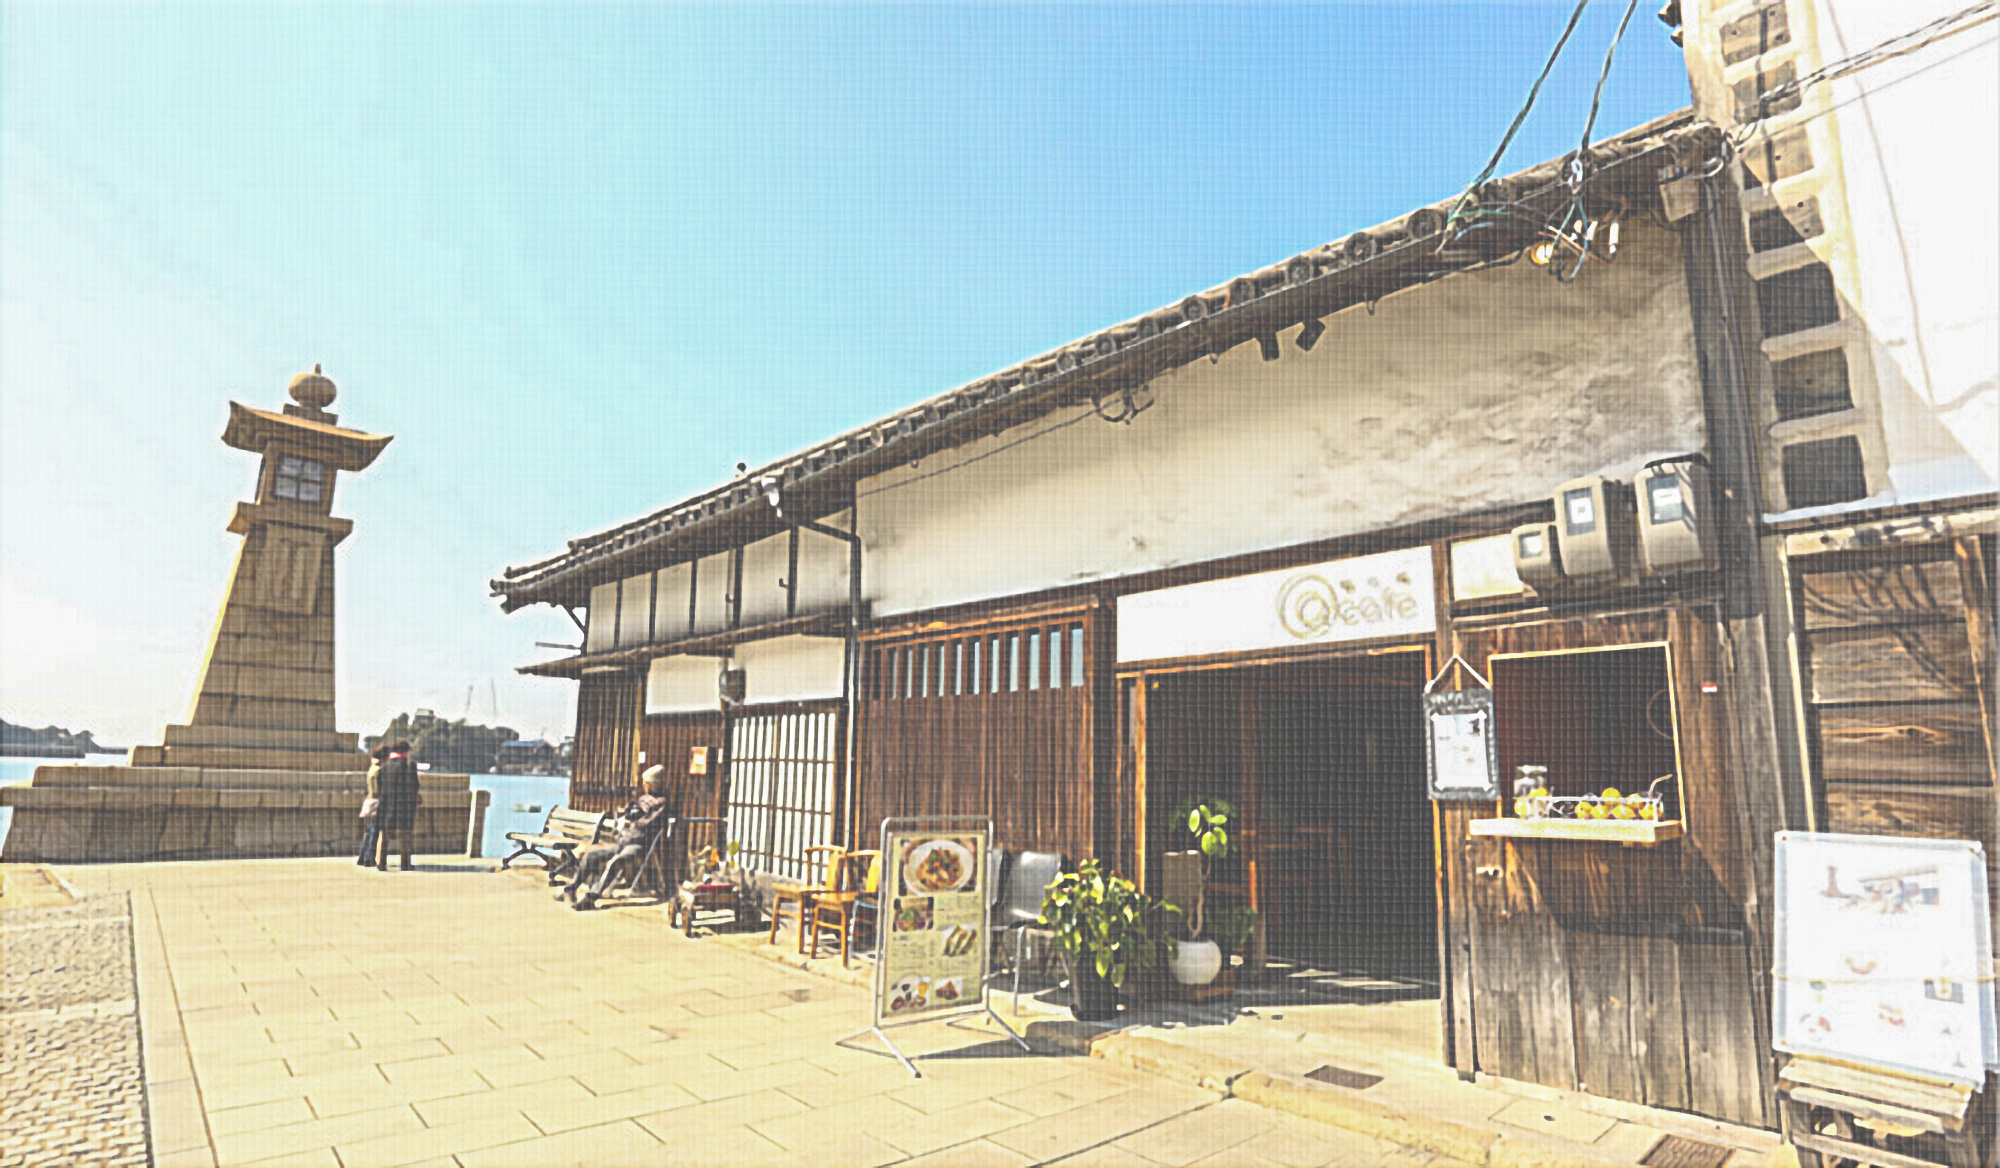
pixel 979 1154
pixel 1299 1143
pixel 430 1078
pixel 605 1144
pixel 191 1158
pixel 741 1111
pixel 730 1144
pixel 723 1083
pixel 226 1076
pixel 719 1007
pixel 231 1120
pixel 921 1134
pixel 401 1148
pixel 512 1071
pixel 1629 1141
pixel 569 1114
pixel 1108 1120
pixel 459 1109
pixel 381 1055
pixel 314 1158
pixel 1107 1156
pixel 776 1049
pixel 849 1087
pixel 1555 1119
pixel 263 1143
pixel 1185 1139
pixel 955 1084
pixel 1063 1094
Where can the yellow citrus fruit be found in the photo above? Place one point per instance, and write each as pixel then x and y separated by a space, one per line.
pixel 1621 810
pixel 1521 808
pixel 1649 811
pixel 1539 793
pixel 1610 793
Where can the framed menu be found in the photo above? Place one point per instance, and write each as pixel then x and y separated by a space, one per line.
pixel 933 920
pixel 1885 953
pixel 1460 746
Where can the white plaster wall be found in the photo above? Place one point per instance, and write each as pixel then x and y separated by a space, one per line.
pixel 670 605
pixel 764 564
pixel 600 630
pixel 635 611
pixel 681 685
pixel 1919 160
pixel 1475 391
pixel 791 669
pixel 823 567
pixel 711 594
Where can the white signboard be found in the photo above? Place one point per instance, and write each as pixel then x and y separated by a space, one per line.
pixel 1464 755
pixel 1386 595
pixel 1884 954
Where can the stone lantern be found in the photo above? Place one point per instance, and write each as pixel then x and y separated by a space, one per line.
pixel 266 695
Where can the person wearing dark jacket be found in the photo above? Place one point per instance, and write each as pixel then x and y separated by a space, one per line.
pixel 643 819
pixel 397 812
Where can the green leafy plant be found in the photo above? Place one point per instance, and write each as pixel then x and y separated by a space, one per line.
pixel 1102 919
pixel 1207 822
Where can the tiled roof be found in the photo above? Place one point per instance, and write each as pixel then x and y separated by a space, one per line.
pixel 1362 267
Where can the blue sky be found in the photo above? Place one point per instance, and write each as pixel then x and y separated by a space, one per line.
pixel 581 260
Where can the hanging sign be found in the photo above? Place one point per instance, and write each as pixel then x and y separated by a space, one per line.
pixel 698 760
pixel 1463 752
pixel 1385 595
pixel 1884 954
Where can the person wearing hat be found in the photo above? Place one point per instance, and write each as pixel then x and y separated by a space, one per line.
pixel 602 863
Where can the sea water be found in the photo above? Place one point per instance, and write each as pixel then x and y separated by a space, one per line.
pixel 518 802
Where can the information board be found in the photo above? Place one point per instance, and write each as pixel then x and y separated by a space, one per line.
pixel 933 920
pixel 1885 953
pixel 1460 746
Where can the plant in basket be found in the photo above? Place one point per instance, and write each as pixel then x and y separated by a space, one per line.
pixel 1101 926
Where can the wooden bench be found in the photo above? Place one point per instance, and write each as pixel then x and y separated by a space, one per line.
pixel 1864 1104
pixel 566 831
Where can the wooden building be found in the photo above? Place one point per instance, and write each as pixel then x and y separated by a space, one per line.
pixel 1221 551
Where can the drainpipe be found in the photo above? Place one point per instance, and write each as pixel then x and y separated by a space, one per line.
pixel 850 679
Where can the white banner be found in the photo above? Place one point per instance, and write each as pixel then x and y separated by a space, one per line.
pixel 1385 595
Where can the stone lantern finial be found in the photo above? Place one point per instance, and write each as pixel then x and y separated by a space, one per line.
pixel 314 390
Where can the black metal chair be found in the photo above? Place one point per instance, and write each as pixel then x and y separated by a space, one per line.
pixel 1020 906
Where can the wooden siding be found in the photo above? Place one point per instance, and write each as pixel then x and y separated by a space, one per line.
pixel 606 756
pixel 986 720
pixel 1623 972
pixel 671 740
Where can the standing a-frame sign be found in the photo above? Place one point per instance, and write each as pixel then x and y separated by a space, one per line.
pixel 933 926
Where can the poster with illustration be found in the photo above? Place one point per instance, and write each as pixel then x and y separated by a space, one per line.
pixel 1884 954
pixel 934 888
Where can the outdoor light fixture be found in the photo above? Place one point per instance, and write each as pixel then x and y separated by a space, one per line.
pixel 1309 334
pixel 1268 345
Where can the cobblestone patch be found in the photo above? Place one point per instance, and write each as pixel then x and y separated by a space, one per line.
pixel 72 1089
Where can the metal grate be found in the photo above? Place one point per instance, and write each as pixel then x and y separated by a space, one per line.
pixel 1342 1077
pixel 1681 1152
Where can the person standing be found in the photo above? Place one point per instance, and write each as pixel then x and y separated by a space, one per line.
pixel 371 832
pixel 400 799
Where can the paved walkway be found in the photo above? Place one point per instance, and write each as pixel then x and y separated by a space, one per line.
pixel 307 1012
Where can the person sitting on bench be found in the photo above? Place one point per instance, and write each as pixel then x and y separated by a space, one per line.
pixel 641 821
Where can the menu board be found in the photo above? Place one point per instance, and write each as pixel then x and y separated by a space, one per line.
pixel 933 918
pixel 1463 754
pixel 1885 954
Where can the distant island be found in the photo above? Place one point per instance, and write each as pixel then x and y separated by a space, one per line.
pixel 48 742
pixel 460 746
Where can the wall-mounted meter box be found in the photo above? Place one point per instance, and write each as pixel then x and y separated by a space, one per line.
pixel 1536 560
pixel 1676 527
pixel 1593 527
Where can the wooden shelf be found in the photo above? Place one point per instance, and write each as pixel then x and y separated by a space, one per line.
pixel 1638 832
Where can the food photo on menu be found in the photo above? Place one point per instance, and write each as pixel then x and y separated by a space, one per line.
pixel 938 865
pixel 913 913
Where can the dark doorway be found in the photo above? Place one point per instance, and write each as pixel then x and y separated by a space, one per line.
pixel 1325 762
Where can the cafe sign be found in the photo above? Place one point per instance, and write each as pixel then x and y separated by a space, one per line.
pixel 1384 595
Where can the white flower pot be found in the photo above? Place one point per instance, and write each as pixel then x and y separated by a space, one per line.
pixel 1195 963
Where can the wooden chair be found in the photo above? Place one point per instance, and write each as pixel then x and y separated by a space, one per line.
pixel 799 894
pixel 857 876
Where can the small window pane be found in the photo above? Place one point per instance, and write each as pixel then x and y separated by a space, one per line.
pixel 1035 660
pixel 999 667
pixel 1055 658
pixel 972 665
pixel 1014 662
pixel 1076 655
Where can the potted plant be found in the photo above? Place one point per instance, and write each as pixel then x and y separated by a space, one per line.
pixel 1197 959
pixel 1101 929
pixel 1231 927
